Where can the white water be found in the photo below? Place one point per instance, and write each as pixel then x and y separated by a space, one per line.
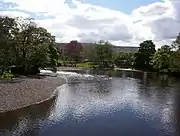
pixel 73 76
pixel 67 75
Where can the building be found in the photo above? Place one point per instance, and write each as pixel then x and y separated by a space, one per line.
pixel 125 48
pixel 61 47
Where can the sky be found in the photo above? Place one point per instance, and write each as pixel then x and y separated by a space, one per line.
pixel 121 22
pixel 126 6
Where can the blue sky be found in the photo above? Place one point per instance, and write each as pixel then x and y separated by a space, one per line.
pixel 125 6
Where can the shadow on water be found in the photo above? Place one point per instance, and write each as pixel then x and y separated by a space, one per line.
pixel 26 121
pixel 107 103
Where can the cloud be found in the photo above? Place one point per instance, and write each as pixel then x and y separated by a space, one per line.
pixel 165 28
pixel 45 6
pixel 176 6
pixel 152 10
pixel 88 37
pixel 161 18
pixel 14 14
pixel 71 20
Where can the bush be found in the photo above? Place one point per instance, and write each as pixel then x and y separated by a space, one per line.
pixel 7 75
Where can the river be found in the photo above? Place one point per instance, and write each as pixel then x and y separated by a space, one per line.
pixel 102 104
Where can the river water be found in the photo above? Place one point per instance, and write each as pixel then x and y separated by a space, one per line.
pixel 102 104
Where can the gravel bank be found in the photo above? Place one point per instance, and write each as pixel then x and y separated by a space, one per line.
pixel 25 91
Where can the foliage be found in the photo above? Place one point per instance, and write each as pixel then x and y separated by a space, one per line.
pixel 162 59
pixel 176 43
pixel 7 76
pixel 175 65
pixel 144 55
pixel 103 54
pixel 53 54
pixel 26 46
pixel 88 52
pixel 8 27
pixel 124 59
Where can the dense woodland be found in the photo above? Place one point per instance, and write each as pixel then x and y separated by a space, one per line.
pixel 26 47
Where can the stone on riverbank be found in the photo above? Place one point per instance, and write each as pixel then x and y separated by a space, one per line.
pixel 25 91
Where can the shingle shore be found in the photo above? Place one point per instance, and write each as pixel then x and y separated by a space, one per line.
pixel 25 91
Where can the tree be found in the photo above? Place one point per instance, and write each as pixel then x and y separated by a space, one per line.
pixel 25 47
pixel 35 47
pixel 103 54
pixel 176 43
pixel 8 28
pixel 88 52
pixel 175 66
pixel 144 55
pixel 53 54
pixel 162 59
pixel 124 59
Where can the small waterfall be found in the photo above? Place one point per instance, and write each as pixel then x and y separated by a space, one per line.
pixel 68 76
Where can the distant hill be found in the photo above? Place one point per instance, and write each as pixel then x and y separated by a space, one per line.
pixel 60 46
pixel 125 48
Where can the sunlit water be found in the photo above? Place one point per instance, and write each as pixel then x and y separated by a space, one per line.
pixel 127 104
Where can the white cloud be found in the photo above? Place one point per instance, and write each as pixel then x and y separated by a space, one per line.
pixel 48 6
pixel 176 7
pixel 14 14
pixel 158 21
pixel 165 28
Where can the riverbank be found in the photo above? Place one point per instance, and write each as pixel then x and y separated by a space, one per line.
pixel 25 91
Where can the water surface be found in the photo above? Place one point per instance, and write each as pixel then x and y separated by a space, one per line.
pixel 120 103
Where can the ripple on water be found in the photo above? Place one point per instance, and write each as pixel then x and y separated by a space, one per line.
pixel 88 104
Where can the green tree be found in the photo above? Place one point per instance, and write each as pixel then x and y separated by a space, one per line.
pixel 35 47
pixel 53 54
pixel 8 28
pixel 162 59
pixel 124 59
pixel 176 43
pixel 25 46
pixel 103 54
pixel 175 66
pixel 88 52
pixel 144 55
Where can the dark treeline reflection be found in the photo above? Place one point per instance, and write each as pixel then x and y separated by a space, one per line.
pixel 26 121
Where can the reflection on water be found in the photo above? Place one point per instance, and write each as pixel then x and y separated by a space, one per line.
pixel 26 121
pixel 128 104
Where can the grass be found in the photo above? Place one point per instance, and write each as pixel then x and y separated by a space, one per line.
pixel 7 76
pixel 86 65
pixel 82 65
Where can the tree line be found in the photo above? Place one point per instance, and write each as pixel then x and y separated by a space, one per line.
pixel 25 48
pixel 164 60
